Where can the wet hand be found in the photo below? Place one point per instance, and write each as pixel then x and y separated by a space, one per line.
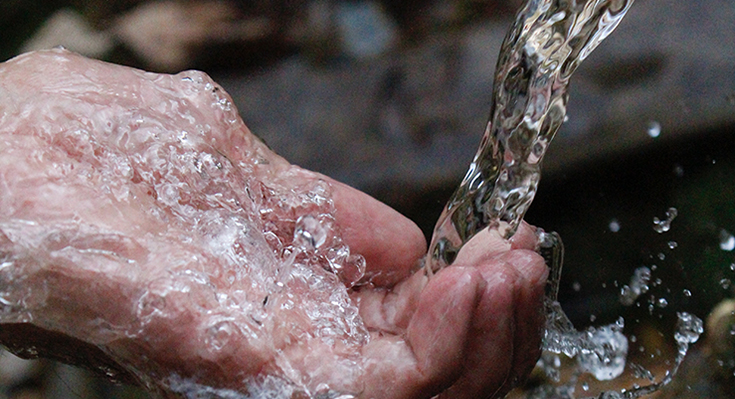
pixel 141 217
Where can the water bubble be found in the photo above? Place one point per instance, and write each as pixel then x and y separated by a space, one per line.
pixel 576 286
pixel 614 226
pixel 673 244
pixel 585 386
pixel 727 240
pixel 662 302
pixel 687 293
pixel 309 233
pixel 732 267
pixel 662 226
pixel 653 129
pixel 678 170
pixel 725 283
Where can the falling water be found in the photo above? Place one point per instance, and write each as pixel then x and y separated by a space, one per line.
pixel 545 45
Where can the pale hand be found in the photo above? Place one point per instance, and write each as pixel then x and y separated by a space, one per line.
pixel 137 213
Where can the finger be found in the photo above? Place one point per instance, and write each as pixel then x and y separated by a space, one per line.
pixel 390 242
pixel 505 335
pixel 529 315
pixel 390 310
pixel 525 237
pixel 431 356
pixel 488 243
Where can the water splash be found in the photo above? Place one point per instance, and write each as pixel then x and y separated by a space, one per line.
pixel 249 256
pixel 543 48
pixel 602 352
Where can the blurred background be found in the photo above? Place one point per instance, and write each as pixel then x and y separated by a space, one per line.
pixel 392 97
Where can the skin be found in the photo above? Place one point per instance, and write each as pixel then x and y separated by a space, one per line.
pixel 471 331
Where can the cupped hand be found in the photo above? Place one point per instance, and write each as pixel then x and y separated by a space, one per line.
pixel 140 217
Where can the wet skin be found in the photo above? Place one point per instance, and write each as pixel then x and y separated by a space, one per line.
pixel 472 330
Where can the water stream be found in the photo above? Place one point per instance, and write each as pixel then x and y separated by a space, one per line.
pixel 543 48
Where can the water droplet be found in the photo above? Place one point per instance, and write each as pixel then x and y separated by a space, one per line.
pixel 585 387
pixel 662 303
pixel 576 286
pixel 614 226
pixel 219 334
pixel 638 285
pixel 662 226
pixel 688 328
pixel 673 244
pixel 732 267
pixel 727 240
pixel 150 304
pixel 593 318
pixel 725 283
pixel 678 171
pixel 687 293
pixel 641 372
pixel 654 129
pixel 309 233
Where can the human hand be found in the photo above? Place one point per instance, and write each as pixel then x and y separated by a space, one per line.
pixel 139 217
